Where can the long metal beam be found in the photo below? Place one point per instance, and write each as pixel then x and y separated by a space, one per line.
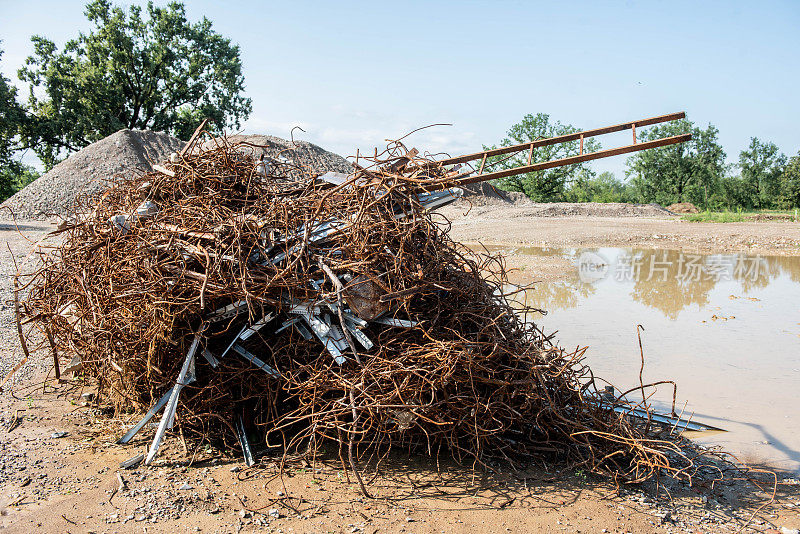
pixel 566 161
pixel 564 138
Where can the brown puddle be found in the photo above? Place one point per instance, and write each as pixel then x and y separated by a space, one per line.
pixel 725 328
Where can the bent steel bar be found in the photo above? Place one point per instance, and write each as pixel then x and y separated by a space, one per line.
pixel 564 138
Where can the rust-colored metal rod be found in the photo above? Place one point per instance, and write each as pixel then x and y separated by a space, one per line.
pixel 565 138
pixel 572 160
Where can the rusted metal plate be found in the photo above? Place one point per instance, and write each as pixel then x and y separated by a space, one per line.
pixel 363 296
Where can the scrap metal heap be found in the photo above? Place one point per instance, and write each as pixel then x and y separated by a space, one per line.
pixel 248 307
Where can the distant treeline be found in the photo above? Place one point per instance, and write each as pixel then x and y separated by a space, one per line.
pixel 695 171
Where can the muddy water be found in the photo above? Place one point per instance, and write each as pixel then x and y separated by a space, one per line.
pixel 726 328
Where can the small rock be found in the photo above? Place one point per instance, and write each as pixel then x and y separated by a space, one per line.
pixel 274 513
pixel 185 487
pixel 59 434
pixel 785 530
pixel 236 469
pixel 665 517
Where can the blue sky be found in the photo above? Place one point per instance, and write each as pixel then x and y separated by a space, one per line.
pixel 354 73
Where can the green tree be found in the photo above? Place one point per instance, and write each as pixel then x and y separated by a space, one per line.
pixel 159 72
pixel 547 185
pixel 761 166
pixel 605 187
pixel 729 193
pixel 12 118
pixel 790 183
pixel 682 172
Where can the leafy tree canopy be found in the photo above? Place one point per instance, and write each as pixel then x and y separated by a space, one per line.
pixel 159 72
pixel 790 183
pixel 761 166
pixel 678 173
pixel 12 118
pixel 605 187
pixel 550 184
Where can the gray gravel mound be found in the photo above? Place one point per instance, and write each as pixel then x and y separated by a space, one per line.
pixel 306 155
pixel 592 209
pixel 484 193
pixel 485 197
pixel 89 171
pixel 522 207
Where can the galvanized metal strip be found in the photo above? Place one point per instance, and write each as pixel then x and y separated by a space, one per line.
pixel 402 323
pixel 228 311
pixel 210 358
pixel 255 360
pixel 359 336
pixel 287 323
pixel 243 442
pixel 149 415
pixel 303 331
pixel 258 325
pixel 172 404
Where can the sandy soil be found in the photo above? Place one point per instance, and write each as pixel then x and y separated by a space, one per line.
pixel 506 227
pixel 60 472
pixel 72 483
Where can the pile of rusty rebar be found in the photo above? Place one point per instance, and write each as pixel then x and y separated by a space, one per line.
pixel 259 305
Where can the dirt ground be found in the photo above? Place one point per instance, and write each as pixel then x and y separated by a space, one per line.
pixel 60 466
pixel 506 227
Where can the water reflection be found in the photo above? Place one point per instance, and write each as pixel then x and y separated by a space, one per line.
pixel 560 296
pixel 675 287
pixel 725 327
pixel 667 280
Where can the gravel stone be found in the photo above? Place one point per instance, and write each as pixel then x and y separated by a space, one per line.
pixel 88 172
pixel 302 153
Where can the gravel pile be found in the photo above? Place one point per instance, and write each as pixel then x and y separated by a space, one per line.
pixel 484 193
pixel 683 207
pixel 301 153
pixel 522 207
pixel 593 209
pixel 485 198
pixel 88 171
